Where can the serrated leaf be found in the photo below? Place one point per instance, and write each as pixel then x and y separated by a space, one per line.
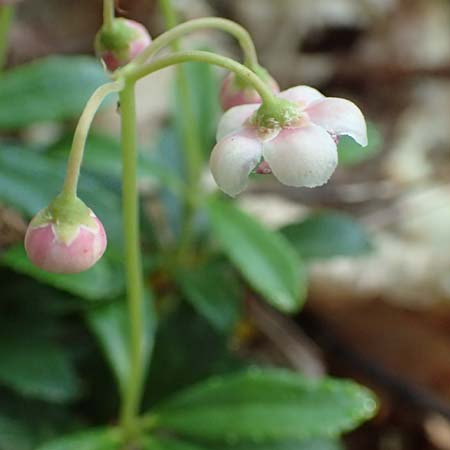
pixel 35 366
pixel 213 291
pixel 110 324
pixel 265 258
pixel 53 88
pixel 328 234
pixel 351 153
pixel 98 439
pixel 103 280
pixel 265 405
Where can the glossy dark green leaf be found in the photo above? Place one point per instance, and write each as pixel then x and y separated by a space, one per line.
pixel 265 258
pixel 110 324
pixel 34 365
pixel 98 439
pixel 52 88
pixel 214 292
pixel 104 280
pixel 328 234
pixel 265 405
pixel 351 153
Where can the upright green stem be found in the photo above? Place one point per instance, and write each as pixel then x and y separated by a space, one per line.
pixel 133 263
pixel 6 15
pixel 190 135
pixel 228 26
pixel 267 96
pixel 108 13
pixel 81 133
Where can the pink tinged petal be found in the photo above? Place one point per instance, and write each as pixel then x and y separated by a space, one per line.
pixel 234 119
pixel 339 116
pixel 232 160
pixel 47 252
pixel 305 156
pixel 302 95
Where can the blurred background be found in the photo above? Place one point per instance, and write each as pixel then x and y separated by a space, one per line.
pixel 380 316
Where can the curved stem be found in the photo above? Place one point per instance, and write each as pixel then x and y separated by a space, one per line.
pixel 133 264
pixel 228 26
pixel 81 133
pixel 135 73
pixel 108 13
pixel 6 15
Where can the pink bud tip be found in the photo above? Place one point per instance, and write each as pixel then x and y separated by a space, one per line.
pixel 120 45
pixel 232 94
pixel 52 253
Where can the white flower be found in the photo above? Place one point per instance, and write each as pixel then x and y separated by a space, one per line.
pixel 301 152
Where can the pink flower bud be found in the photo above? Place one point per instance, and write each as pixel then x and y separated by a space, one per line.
pixel 58 242
pixel 122 43
pixel 234 92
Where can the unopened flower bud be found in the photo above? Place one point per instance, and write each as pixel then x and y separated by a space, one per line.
pixel 121 43
pixel 235 92
pixel 65 237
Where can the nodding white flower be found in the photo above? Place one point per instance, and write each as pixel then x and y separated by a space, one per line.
pixel 65 240
pixel 122 43
pixel 300 149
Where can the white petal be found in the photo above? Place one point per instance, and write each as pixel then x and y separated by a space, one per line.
pixel 339 116
pixel 232 160
pixel 303 95
pixel 304 156
pixel 234 118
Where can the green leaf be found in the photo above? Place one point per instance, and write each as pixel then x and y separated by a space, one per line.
pixel 328 234
pixel 351 153
pixel 307 444
pixel 34 365
pixel 110 325
pixel 214 292
pixel 25 423
pixel 30 180
pixel 53 88
pixel 103 280
pixel 265 405
pixel 176 362
pixel 103 156
pixel 202 88
pixel 264 257
pixel 14 435
pixel 98 439
pixel 167 443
